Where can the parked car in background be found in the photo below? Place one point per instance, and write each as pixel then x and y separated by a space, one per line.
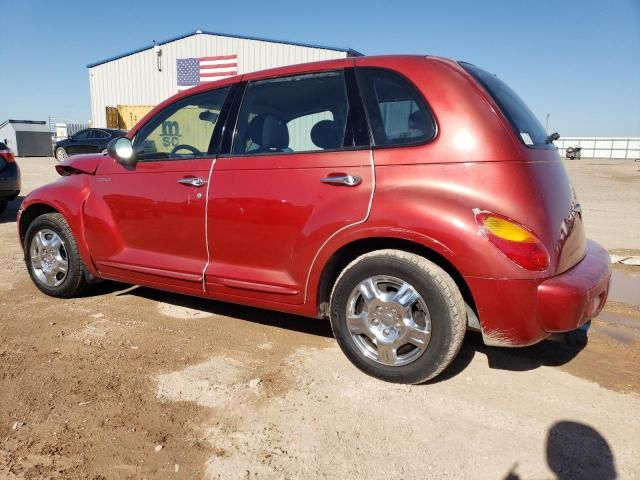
pixel 407 198
pixel 9 177
pixel 573 153
pixel 89 140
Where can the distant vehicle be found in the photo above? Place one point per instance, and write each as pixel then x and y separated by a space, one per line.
pixel 89 140
pixel 9 177
pixel 573 153
pixel 404 197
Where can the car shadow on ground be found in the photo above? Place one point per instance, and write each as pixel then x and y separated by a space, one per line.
pixel 310 326
pixel 547 353
pixel 11 212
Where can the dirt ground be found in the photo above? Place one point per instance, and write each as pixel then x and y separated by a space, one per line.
pixel 129 382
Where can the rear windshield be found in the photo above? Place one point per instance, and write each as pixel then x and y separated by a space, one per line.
pixel 524 122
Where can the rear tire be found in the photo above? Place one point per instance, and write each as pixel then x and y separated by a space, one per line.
pixel 397 316
pixel 52 257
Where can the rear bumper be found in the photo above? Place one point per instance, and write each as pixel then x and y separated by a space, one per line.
pixel 571 299
pixel 523 312
pixel 9 182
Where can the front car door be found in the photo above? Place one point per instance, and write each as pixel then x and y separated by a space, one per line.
pixel 298 169
pixel 77 142
pixel 97 141
pixel 147 223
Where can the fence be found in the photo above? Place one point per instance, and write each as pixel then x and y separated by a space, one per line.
pixel 72 127
pixel 602 147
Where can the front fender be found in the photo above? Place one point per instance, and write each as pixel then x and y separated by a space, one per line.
pixel 66 196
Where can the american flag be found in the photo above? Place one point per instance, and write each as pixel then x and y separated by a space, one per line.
pixel 194 71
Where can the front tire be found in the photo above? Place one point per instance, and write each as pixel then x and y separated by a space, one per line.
pixel 52 257
pixel 397 316
pixel 61 154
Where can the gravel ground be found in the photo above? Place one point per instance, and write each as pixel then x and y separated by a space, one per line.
pixel 129 382
pixel 609 192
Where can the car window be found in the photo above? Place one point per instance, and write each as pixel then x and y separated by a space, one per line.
pixel 81 135
pixel 397 112
pixel 2 146
pixel 99 134
pixel 300 113
pixel 524 122
pixel 182 130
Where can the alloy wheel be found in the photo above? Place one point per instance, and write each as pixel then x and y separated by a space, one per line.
pixel 49 258
pixel 61 154
pixel 388 320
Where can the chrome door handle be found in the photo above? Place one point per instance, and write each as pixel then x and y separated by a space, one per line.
pixel 193 181
pixel 348 180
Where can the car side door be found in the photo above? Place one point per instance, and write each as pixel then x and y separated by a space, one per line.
pixel 296 169
pixel 97 141
pixel 146 223
pixel 76 142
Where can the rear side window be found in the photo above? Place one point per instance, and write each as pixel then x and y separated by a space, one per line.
pixel 524 122
pixel 397 113
pixel 301 113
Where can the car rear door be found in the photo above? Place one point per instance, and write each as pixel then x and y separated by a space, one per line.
pixel 146 223
pixel 296 170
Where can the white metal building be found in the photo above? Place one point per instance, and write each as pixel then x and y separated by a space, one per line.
pixel 148 75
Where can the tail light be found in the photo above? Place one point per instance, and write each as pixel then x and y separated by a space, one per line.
pixel 516 242
pixel 7 154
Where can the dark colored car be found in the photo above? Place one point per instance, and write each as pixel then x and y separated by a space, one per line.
pixel 9 177
pixel 89 140
pixel 407 198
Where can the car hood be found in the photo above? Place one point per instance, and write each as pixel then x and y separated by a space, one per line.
pixel 87 164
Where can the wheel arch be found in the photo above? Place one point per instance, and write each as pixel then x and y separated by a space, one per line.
pixel 352 250
pixel 40 206
pixel 30 213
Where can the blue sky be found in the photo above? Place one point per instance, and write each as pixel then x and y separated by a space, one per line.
pixel 577 60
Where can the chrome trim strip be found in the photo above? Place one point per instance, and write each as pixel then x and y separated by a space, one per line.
pixel 206 227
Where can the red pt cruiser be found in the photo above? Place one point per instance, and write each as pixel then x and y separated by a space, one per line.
pixel 407 198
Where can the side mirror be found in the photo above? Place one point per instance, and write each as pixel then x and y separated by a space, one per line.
pixel 121 149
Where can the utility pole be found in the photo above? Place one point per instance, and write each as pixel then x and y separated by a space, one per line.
pixel 546 124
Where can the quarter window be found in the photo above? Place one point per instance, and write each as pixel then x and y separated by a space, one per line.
pixel 524 122
pixel 183 130
pixel 397 113
pixel 301 113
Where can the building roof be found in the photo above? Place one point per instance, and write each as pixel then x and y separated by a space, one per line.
pixel 349 51
pixel 28 122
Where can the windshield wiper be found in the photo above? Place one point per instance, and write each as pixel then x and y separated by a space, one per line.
pixel 552 138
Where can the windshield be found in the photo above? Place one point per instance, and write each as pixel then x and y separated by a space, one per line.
pixel 529 129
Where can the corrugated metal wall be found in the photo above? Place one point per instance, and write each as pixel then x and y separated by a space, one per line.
pixel 135 79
